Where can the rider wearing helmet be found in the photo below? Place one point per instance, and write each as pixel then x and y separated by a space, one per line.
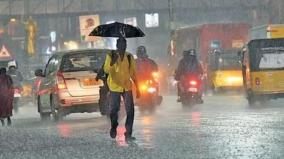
pixel 144 65
pixel 189 64
pixel 15 74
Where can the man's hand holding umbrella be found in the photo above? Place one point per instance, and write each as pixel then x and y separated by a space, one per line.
pixel 114 59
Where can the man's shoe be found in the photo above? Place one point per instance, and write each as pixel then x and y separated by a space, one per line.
pixel 129 137
pixel 113 133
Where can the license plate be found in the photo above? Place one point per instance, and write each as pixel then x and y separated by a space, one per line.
pixel 192 90
pixel 90 82
pixel 17 95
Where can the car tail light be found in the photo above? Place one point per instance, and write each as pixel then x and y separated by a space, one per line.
pixel 257 81
pixel 60 81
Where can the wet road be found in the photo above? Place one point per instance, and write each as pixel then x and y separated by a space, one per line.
pixel 223 127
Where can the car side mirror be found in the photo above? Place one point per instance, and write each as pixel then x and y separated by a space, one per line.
pixel 38 73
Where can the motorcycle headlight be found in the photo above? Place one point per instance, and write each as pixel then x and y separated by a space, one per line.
pixel 143 87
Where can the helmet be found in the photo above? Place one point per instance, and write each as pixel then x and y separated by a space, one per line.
pixel 38 72
pixel 12 64
pixel 190 52
pixel 141 52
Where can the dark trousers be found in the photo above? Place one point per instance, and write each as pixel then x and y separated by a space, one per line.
pixel 115 98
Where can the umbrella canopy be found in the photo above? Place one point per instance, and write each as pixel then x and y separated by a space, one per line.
pixel 117 29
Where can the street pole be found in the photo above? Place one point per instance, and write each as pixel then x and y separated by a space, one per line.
pixel 171 18
pixel 280 5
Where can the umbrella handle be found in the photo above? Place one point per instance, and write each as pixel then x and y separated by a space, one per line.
pixel 122 32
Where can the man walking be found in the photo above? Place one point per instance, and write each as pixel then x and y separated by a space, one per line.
pixel 120 67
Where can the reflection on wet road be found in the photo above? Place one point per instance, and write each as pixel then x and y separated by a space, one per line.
pixel 223 127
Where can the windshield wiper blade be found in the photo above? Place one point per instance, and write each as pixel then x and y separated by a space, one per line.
pixel 83 65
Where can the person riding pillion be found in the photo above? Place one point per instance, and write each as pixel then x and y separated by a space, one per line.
pixel 121 69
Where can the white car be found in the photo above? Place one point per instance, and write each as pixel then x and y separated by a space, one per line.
pixel 69 83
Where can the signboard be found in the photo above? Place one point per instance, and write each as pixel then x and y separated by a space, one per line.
pixel 87 24
pixel 4 53
pixel 131 21
pixel 237 44
pixel 152 20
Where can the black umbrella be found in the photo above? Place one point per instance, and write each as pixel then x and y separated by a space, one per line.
pixel 117 30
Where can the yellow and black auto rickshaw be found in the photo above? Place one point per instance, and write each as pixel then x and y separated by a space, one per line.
pixel 225 71
pixel 263 69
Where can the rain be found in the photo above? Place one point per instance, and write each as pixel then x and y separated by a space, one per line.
pixel 183 79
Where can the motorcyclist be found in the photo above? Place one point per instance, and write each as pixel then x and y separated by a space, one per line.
pixel 144 65
pixel 189 64
pixel 17 79
pixel 147 69
pixel 16 75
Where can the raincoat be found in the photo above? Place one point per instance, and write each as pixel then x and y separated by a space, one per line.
pixel 6 96
pixel 188 66
pixel 145 67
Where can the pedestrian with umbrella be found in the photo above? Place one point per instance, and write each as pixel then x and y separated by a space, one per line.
pixel 121 70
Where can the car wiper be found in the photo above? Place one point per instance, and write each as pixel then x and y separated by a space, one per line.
pixel 80 64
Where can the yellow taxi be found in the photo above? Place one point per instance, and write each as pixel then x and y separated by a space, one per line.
pixel 263 69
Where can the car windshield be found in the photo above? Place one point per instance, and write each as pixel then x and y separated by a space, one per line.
pixel 225 60
pixel 228 61
pixel 83 61
pixel 271 59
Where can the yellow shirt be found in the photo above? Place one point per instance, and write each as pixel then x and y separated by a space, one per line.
pixel 121 74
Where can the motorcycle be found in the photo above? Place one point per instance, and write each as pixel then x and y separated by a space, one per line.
pixel 149 91
pixel 190 88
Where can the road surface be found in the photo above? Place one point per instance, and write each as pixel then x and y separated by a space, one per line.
pixel 223 127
